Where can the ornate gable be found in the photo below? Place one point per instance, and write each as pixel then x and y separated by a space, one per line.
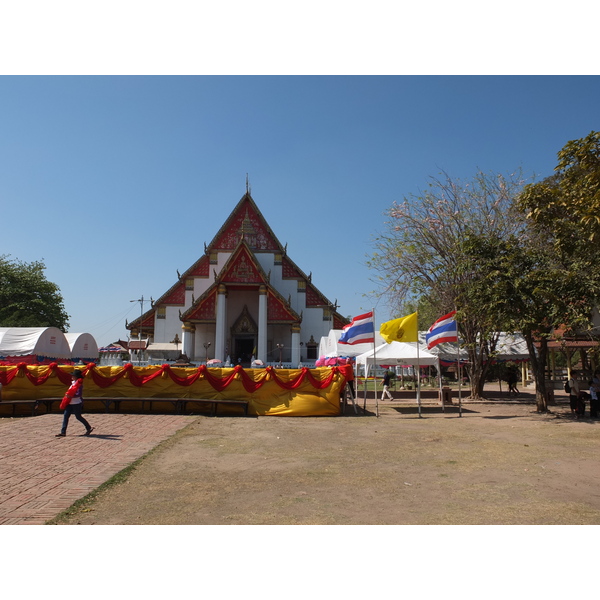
pixel 204 310
pixel 176 295
pixel 242 269
pixel 314 298
pixel 289 269
pixel 278 310
pixel 246 223
pixel 339 322
pixel 147 321
pixel 201 268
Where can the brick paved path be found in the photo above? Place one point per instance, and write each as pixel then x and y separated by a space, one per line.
pixel 41 475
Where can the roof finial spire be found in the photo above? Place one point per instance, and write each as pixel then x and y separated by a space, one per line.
pixel 248 188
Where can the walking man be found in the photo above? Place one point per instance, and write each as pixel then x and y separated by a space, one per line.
pixel 386 386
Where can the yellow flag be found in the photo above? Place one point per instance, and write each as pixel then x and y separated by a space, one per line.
pixel 400 330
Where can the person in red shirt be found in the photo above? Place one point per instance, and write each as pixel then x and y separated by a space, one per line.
pixel 75 405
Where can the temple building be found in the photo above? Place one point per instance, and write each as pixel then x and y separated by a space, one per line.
pixel 243 298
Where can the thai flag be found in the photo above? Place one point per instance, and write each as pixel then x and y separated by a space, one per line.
pixel 360 331
pixel 443 330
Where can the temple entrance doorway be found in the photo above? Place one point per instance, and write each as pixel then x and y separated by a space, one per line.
pixel 243 349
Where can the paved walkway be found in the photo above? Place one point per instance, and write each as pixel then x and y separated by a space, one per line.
pixel 42 475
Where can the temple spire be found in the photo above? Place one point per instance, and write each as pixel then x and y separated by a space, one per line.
pixel 247 185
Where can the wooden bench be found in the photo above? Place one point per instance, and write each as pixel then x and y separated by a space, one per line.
pixel 33 403
pixel 243 404
pixel 180 404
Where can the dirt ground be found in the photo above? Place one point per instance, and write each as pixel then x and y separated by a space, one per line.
pixel 500 463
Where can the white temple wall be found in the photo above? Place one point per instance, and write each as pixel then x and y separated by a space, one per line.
pixel 205 333
pixel 286 287
pixel 201 284
pixel 313 325
pixel 165 329
pixel 279 334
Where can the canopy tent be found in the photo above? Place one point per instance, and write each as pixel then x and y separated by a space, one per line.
pixel 49 342
pixel 82 345
pixel 329 346
pixel 510 347
pixel 397 354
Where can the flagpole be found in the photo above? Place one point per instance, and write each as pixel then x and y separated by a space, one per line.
pixel 374 368
pixel 459 379
pixel 418 370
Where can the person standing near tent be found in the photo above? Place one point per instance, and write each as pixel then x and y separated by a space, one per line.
pixel 73 404
pixel 386 386
pixel 594 396
pixel 574 395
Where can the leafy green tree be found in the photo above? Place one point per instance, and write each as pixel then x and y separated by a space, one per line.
pixel 422 254
pixel 526 285
pixel 27 298
pixel 572 192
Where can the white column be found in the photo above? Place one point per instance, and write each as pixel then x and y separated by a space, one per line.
pixel 261 351
pixel 187 340
pixel 221 323
pixel 295 345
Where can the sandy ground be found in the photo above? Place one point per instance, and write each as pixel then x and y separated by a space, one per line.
pixel 500 463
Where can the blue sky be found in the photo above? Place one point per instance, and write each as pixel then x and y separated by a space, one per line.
pixel 116 182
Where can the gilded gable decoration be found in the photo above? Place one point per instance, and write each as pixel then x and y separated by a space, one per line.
pixel 244 324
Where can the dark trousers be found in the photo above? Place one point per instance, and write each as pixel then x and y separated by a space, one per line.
pixel 577 404
pixel 74 409
pixel 594 406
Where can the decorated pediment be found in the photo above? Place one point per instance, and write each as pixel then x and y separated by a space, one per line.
pixel 244 324
pixel 289 270
pixel 339 322
pixel 204 309
pixel 242 268
pixel 314 298
pixel 279 310
pixel 246 223
pixel 146 320
pixel 201 268
pixel 175 296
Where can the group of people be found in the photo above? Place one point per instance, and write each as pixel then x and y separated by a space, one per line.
pixel 578 397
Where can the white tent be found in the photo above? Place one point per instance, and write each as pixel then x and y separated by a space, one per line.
pixel 397 354
pixel 82 345
pixel 40 341
pixel 330 346
pixel 510 347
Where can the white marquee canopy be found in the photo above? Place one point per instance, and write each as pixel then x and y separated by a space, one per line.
pixel 49 342
pixel 83 345
pixel 43 341
pixel 397 354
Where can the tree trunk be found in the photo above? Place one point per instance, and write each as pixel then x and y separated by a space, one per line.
pixel 538 368
pixel 476 373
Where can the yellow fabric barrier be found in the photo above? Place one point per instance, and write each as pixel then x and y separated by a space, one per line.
pixel 269 399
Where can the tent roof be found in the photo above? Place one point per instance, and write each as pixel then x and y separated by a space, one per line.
pixel 82 345
pixel 511 346
pixel 397 353
pixel 330 346
pixel 41 341
pixel 163 347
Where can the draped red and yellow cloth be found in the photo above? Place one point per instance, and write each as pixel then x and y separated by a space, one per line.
pixel 301 392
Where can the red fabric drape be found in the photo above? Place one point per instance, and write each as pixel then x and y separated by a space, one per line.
pixel 250 383
pixel 7 375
